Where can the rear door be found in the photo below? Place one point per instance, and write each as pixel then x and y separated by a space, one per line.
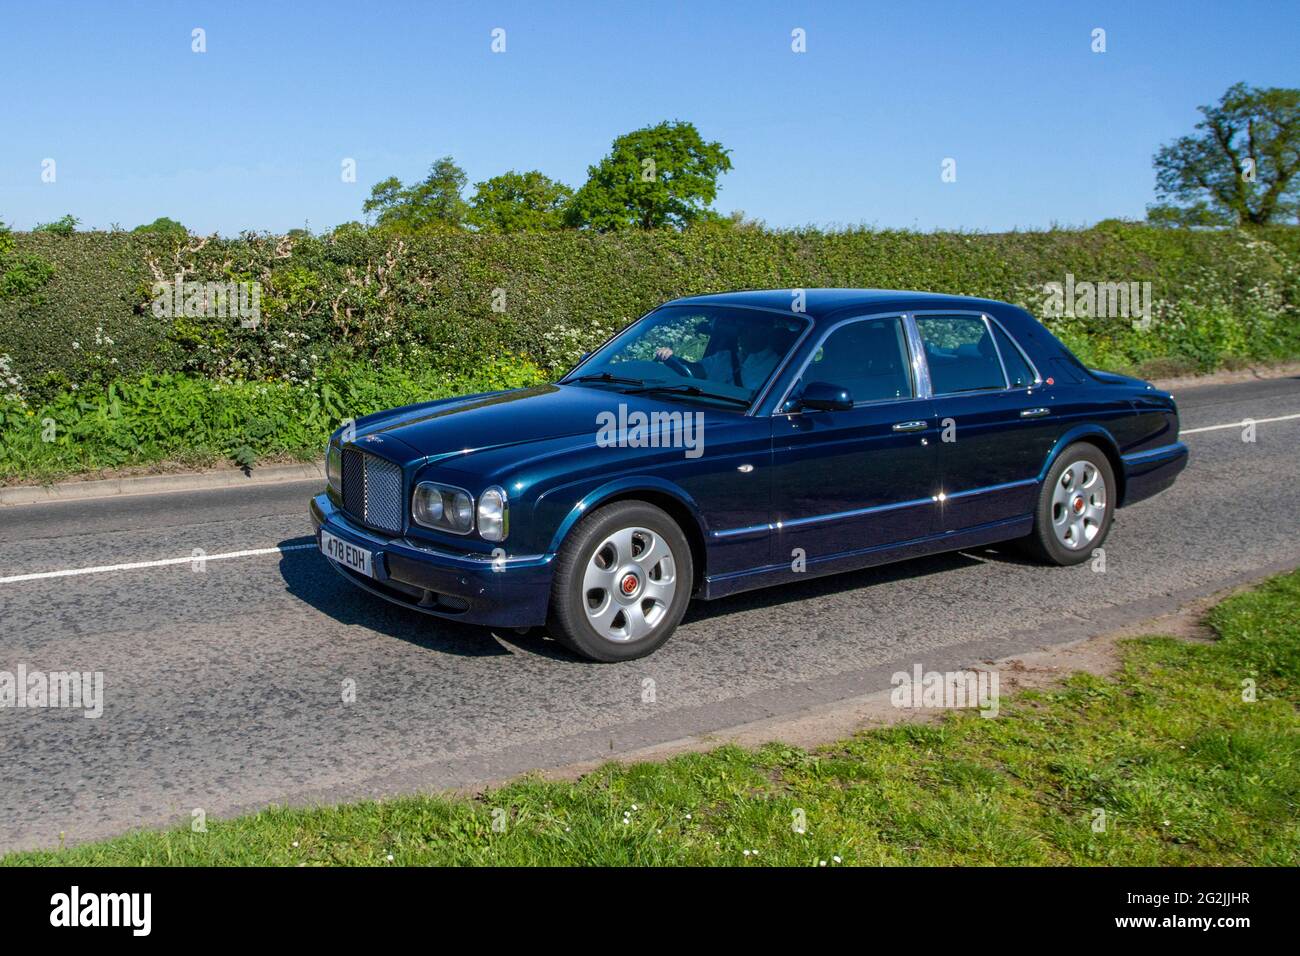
pixel 995 424
pixel 859 478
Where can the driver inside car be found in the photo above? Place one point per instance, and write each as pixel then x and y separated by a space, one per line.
pixel 748 364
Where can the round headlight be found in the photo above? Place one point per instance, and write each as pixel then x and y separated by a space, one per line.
pixel 460 512
pixel 442 507
pixel 492 523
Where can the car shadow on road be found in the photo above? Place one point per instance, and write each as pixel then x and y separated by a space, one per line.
pixel 830 584
pixel 308 576
pixel 1005 554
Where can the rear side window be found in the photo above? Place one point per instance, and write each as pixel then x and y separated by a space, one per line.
pixel 1019 373
pixel 868 357
pixel 960 353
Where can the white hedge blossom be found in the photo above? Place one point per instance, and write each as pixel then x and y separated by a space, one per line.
pixel 11 385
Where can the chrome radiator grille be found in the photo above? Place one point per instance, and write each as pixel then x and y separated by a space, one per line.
pixel 372 490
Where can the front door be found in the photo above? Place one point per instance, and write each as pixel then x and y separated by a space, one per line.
pixel 851 480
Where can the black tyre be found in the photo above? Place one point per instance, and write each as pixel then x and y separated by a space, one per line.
pixel 622 581
pixel 1075 506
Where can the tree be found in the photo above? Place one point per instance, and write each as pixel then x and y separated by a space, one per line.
pixel 1197 214
pixel 664 175
pixel 1241 169
pixel 63 226
pixel 519 202
pixel 435 202
pixel 385 196
pixel 163 226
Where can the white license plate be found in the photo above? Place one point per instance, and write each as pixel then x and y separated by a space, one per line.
pixel 347 554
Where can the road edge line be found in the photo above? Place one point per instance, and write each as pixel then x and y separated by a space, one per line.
pixel 159 484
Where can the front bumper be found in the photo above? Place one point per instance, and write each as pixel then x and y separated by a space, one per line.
pixel 464 586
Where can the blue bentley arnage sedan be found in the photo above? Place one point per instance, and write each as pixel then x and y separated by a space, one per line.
pixel 736 441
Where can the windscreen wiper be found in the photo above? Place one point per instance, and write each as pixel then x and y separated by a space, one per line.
pixel 605 377
pixel 689 390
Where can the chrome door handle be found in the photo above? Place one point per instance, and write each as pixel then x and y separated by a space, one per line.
pixel 1035 412
pixel 910 427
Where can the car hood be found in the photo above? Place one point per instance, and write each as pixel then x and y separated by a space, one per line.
pixel 462 426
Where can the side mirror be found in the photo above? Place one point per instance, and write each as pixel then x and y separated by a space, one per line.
pixel 825 397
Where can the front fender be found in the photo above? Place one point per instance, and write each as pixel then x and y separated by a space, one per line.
pixel 625 486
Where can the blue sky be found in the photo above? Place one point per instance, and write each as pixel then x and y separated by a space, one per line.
pixel 251 134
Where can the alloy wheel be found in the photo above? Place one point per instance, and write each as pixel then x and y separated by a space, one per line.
pixel 1078 505
pixel 629 584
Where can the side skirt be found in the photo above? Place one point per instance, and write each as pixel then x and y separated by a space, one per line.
pixel 991 533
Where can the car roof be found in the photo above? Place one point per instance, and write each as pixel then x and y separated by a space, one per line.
pixel 827 303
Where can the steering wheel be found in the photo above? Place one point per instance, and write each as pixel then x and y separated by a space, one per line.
pixel 687 369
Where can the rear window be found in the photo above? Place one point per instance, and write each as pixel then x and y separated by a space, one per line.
pixel 960 353
pixel 1019 373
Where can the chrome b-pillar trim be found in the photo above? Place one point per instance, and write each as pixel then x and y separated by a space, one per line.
pixel 920 370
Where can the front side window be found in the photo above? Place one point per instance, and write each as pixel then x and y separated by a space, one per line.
pixel 960 353
pixel 869 358
pixel 722 351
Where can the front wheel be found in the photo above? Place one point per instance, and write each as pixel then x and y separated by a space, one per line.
pixel 1075 506
pixel 622 581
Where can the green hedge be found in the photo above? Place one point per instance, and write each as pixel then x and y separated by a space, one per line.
pixel 361 320
pixel 426 302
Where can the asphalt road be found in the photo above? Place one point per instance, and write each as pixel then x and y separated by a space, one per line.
pixel 223 688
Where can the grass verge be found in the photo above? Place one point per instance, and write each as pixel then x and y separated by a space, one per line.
pixel 1185 767
pixel 194 421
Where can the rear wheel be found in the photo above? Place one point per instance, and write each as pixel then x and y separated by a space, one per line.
pixel 622 581
pixel 1075 506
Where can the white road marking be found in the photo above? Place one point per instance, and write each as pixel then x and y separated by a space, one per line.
pixel 1241 424
pixel 136 565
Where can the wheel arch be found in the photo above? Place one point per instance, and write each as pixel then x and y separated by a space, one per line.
pixel 1104 441
pixel 670 498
